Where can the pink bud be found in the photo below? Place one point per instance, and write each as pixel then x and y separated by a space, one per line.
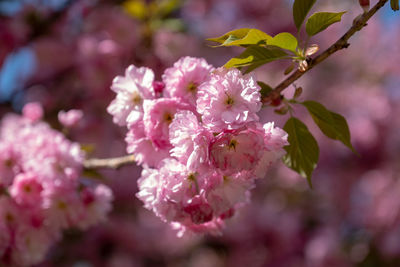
pixel 158 87
pixel 33 111
pixel 364 4
pixel 87 196
pixel 70 118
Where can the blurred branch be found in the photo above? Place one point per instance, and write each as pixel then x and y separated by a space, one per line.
pixel 358 23
pixel 113 163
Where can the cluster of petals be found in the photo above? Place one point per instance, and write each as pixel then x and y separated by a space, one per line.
pixel 198 139
pixel 41 193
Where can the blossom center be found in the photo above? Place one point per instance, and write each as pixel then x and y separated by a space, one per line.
pixel 229 101
pixel 168 117
pixel 192 87
pixel 62 205
pixel 9 217
pixel 8 163
pixel 192 178
pixel 232 144
pixel 27 189
pixel 225 178
pixel 136 99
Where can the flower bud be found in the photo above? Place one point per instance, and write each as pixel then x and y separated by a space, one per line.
pixel 364 4
pixel 158 87
pixel 33 111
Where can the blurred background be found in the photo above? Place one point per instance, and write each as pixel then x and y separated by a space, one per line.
pixel 65 53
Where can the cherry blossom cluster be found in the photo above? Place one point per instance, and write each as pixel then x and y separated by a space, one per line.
pixel 198 137
pixel 41 193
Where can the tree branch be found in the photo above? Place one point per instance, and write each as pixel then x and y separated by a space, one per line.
pixel 113 163
pixel 359 23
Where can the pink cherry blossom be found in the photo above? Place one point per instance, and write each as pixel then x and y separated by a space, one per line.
pixel 26 189
pixel 275 139
pixel 168 189
pixel 228 100
pixel 238 149
pixel 70 118
pixel 97 203
pixel 131 89
pixel 33 111
pixel 228 192
pixel 200 162
pixel 62 207
pixel 40 186
pixel 8 163
pixel 31 245
pixel 190 140
pixel 199 210
pixel 183 79
pixel 158 115
pixel 138 144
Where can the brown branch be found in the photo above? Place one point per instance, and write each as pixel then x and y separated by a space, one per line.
pixel 359 23
pixel 113 163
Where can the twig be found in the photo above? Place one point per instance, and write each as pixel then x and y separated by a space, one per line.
pixel 359 23
pixel 113 163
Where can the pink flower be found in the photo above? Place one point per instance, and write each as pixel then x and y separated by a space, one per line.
pixel 148 185
pixel 167 190
pixel 10 214
pixel 51 155
pixel 158 115
pixel 237 150
pixel 62 207
pixel 275 139
pixel 190 140
pixel 131 89
pixel 183 79
pixel 31 245
pixel 213 227
pixel 39 168
pixel 158 87
pixel 97 204
pixel 8 163
pixel 33 111
pixel 142 147
pixel 26 189
pixel 228 100
pixel 199 210
pixel 228 192
pixel 70 118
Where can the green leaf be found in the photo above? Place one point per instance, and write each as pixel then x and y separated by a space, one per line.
pixel 300 11
pixel 265 89
pixel 284 40
pixel 242 37
pixel 165 7
pixel 394 4
pixel 302 151
pixel 93 174
pixel 136 8
pixel 88 148
pixel 331 124
pixel 255 56
pixel 322 20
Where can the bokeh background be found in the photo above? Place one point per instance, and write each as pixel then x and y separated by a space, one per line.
pixel 65 53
